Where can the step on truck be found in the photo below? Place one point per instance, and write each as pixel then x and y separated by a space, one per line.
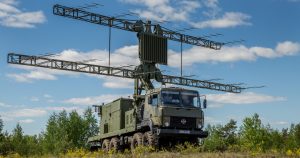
pixel 166 116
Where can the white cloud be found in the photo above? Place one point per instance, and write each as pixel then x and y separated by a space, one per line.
pixel 11 16
pixel 26 121
pixel 287 48
pixel 213 6
pixel 79 110
pixel 33 75
pixel 3 105
pixel 27 112
pixel 229 19
pixel 34 99
pixel 280 123
pixel 95 100
pixel 211 120
pixel 112 82
pixel 161 10
pixel 60 108
pixel 218 100
pixel 10 2
pixel 123 56
pixel 168 10
pixel 5 118
pixel 232 54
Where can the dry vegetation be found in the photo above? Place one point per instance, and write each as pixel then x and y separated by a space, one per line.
pixel 143 152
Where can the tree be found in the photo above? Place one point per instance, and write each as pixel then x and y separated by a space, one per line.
pixel 52 136
pixel 254 136
pixel 291 137
pixel 229 133
pixel 297 135
pixel 91 126
pixel 215 140
pixel 63 122
pixel 5 141
pixel 2 138
pixel 18 141
pixel 221 137
pixel 69 131
pixel 6 145
pixel 76 130
pixel 277 139
pixel 1 126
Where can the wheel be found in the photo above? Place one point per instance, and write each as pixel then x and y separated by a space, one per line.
pixel 150 139
pixel 114 144
pixel 105 145
pixel 137 140
pixel 94 148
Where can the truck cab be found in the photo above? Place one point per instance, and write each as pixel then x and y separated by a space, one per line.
pixel 173 112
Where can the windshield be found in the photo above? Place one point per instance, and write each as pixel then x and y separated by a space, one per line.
pixel 189 98
pixel 169 97
pixel 185 98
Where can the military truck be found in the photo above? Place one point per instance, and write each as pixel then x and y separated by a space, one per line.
pixel 166 116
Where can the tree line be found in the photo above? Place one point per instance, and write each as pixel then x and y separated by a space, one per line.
pixel 252 136
pixel 63 131
pixel 66 131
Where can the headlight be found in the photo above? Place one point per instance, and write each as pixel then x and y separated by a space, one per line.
pixel 167 124
pixel 166 121
pixel 199 123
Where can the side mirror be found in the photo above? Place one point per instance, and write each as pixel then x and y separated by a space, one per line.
pixel 204 103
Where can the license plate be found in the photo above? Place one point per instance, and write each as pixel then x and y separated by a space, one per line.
pixel 184 131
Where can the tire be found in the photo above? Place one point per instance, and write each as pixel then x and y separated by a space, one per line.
pixel 114 144
pixel 137 140
pixel 94 148
pixel 150 139
pixel 105 145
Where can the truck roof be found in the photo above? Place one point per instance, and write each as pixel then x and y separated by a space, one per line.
pixel 129 99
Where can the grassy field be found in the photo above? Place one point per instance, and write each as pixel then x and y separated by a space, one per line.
pixel 159 155
pixel 144 152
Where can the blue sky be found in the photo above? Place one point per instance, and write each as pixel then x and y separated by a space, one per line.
pixel 269 56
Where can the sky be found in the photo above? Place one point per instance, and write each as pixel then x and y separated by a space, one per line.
pixel 268 57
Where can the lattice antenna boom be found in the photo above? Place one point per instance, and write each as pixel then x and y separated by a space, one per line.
pixel 57 64
pixel 133 26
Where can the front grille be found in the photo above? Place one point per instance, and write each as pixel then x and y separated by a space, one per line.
pixel 183 122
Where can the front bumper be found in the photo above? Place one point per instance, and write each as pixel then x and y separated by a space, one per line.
pixel 162 132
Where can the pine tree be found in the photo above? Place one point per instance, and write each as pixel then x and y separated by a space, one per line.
pixel 91 126
pixel 18 141
pixel 51 136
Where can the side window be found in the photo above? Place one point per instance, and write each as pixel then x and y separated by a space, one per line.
pixel 196 102
pixel 154 100
pixel 150 99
